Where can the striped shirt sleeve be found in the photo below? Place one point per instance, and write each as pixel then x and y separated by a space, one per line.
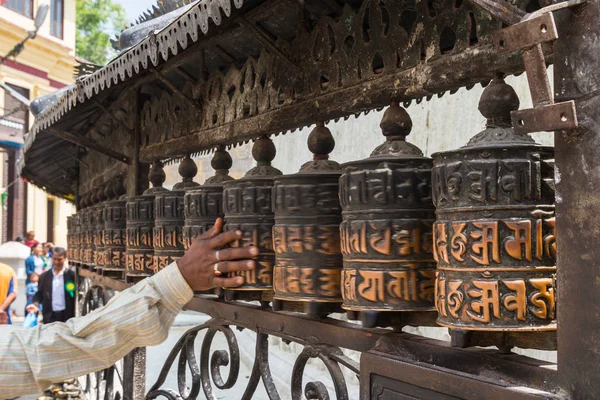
pixel 34 358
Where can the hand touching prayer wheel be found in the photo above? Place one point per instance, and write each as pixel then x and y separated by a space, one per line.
pixel 306 233
pixel 247 207
pixel 204 204
pixel 169 217
pixel 495 238
pixel 386 229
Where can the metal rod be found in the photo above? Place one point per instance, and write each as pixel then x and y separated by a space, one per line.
pixel 577 77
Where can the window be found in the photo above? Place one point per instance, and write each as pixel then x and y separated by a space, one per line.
pixel 56 18
pixel 24 7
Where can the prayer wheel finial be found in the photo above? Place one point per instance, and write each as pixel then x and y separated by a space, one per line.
pixel 396 125
pixel 320 143
pixel 263 152
pixel 187 170
pixel 157 177
pixel 221 163
pixel 497 101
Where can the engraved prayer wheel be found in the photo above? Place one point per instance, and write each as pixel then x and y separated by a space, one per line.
pixel 306 234
pixel 99 249
pixel 387 220
pixel 76 239
pixel 140 225
pixel 70 235
pixel 495 238
pixel 247 207
pixel 115 229
pixel 204 204
pixel 169 217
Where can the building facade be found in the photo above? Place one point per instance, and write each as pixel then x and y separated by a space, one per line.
pixel 45 65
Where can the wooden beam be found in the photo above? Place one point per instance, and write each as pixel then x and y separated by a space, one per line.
pixel 264 39
pixel 110 114
pixel 174 89
pixel 89 144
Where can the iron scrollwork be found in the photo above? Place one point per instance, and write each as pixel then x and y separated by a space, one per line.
pixel 106 384
pixel 206 374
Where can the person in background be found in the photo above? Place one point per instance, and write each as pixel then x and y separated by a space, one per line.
pixel 56 291
pixel 20 239
pixel 32 288
pixel 48 248
pixel 30 239
pixel 8 292
pixel 35 262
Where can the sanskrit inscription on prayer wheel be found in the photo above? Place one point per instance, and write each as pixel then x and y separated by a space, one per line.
pixel 115 229
pixel 140 225
pixel 495 237
pixel 204 204
pixel 70 234
pixel 99 249
pixel 169 217
pixel 247 207
pixel 306 234
pixel 386 233
pixel 76 238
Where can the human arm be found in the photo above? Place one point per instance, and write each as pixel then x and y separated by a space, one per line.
pixel 29 266
pixel 10 298
pixel 34 358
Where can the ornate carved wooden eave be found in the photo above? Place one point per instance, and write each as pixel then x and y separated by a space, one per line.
pixel 237 70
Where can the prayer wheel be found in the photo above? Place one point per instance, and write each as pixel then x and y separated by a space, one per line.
pixel 70 237
pixel 88 233
pixel 76 239
pixel 386 236
pixel 99 215
pixel 247 207
pixel 140 225
pixel 204 204
pixel 306 235
pixel 495 237
pixel 115 229
pixel 169 217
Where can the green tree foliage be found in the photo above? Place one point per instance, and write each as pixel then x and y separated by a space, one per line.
pixel 97 22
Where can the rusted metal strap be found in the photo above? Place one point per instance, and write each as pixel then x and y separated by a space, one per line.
pixel 528 35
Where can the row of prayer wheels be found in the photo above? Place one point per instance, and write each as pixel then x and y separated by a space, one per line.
pixel 469 233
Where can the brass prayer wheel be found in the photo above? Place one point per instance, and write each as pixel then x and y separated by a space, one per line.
pixel 76 239
pixel 495 237
pixel 99 214
pixel 204 204
pixel 115 229
pixel 70 238
pixel 247 207
pixel 306 234
pixel 169 217
pixel 387 221
pixel 140 225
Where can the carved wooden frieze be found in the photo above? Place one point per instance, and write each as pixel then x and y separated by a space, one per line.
pixel 495 234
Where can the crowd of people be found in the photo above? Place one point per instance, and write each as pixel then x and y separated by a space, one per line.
pixel 49 284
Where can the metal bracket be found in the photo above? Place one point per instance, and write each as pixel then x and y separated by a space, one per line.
pixel 528 35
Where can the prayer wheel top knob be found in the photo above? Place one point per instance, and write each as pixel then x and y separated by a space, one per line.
pixel 263 152
pixel 101 193
pixel 157 177
pixel 119 187
pixel 221 163
pixel 109 190
pixel 320 143
pixel 497 101
pixel 396 125
pixel 187 170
